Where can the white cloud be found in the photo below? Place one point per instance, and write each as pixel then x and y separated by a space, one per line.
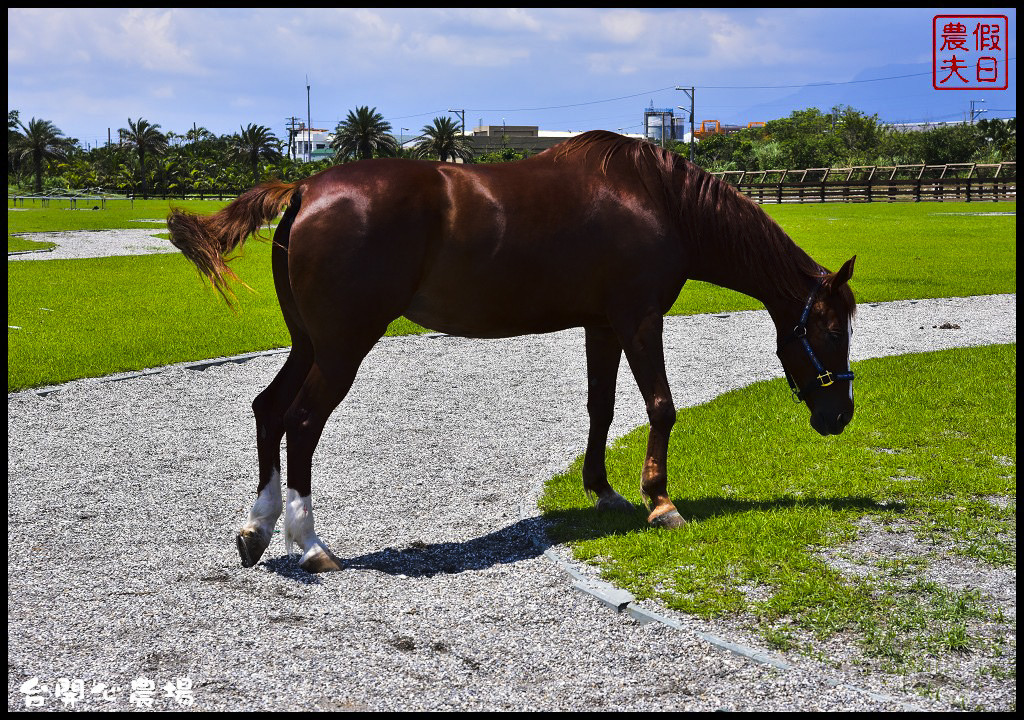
pixel 155 39
pixel 625 26
pixel 461 51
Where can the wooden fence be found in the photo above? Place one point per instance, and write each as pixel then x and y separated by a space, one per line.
pixel 86 201
pixel 72 200
pixel 960 182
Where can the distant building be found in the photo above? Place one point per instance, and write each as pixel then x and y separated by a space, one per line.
pixel 919 126
pixel 661 124
pixel 309 142
pixel 524 138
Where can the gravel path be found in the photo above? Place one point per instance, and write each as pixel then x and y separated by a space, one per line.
pixel 124 498
pixel 98 243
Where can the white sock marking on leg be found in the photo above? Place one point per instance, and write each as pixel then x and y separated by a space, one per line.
pixel 267 508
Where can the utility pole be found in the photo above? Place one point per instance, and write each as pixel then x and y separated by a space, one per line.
pixel 690 92
pixel 309 125
pixel 292 121
pixel 976 113
pixel 462 116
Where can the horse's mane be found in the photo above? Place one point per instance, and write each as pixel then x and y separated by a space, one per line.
pixel 710 210
pixel 607 145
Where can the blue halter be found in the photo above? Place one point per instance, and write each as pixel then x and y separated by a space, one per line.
pixel 824 378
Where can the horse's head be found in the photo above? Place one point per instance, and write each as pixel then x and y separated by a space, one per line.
pixel 815 351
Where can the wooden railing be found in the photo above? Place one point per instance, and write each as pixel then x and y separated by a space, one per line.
pixel 954 182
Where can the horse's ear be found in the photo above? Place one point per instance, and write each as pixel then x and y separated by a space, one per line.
pixel 843 275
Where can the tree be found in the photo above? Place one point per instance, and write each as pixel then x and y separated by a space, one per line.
pixel 13 123
pixel 1000 138
pixel 13 164
pixel 445 140
pixel 501 156
pixel 951 144
pixel 364 134
pixel 39 142
pixel 858 133
pixel 255 143
pixel 145 138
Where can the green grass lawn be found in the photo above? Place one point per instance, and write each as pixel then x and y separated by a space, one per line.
pixel 97 316
pixel 117 214
pixel 765 495
pixel 20 244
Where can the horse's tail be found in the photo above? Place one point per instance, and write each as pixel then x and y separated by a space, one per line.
pixel 206 241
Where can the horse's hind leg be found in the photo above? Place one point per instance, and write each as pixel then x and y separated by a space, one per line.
pixel 642 344
pixel 324 388
pixel 603 355
pixel 269 408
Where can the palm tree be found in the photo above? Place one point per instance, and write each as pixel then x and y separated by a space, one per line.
pixel 145 138
pixel 445 140
pixel 363 134
pixel 197 134
pixel 255 143
pixel 41 140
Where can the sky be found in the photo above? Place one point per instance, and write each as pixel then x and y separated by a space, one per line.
pixel 90 70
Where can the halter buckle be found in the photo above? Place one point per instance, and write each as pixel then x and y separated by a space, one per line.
pixel 825 377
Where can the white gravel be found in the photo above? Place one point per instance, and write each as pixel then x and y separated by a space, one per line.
pixel 99 243
pixel 124 498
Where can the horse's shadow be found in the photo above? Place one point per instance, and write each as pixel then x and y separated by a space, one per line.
pixel 522 540
pixel 529 538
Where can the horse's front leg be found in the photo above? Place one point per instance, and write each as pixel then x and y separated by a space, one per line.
pixel 644 352
pixel 603 355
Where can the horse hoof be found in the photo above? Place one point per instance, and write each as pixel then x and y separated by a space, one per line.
pixel 669 518
pixel 319 559
pixel 613 502
pixel 251 545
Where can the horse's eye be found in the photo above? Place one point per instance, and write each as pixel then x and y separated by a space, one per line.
pixel 834 336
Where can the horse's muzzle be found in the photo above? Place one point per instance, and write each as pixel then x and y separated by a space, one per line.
pixel 825 425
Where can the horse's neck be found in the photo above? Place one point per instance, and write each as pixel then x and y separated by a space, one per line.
pixel 736 245
pixel 758 269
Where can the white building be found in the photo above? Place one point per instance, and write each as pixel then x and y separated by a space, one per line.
pixel 311 144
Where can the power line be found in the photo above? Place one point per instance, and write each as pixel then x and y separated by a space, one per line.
pixel 572 105
pixel 704 87
pixel 813 84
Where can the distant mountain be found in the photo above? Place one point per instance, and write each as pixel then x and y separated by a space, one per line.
pixel 905 95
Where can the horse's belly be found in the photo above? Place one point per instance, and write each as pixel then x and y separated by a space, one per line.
pixel 490 313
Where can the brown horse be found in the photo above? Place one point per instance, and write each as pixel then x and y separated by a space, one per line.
pixel 600 232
